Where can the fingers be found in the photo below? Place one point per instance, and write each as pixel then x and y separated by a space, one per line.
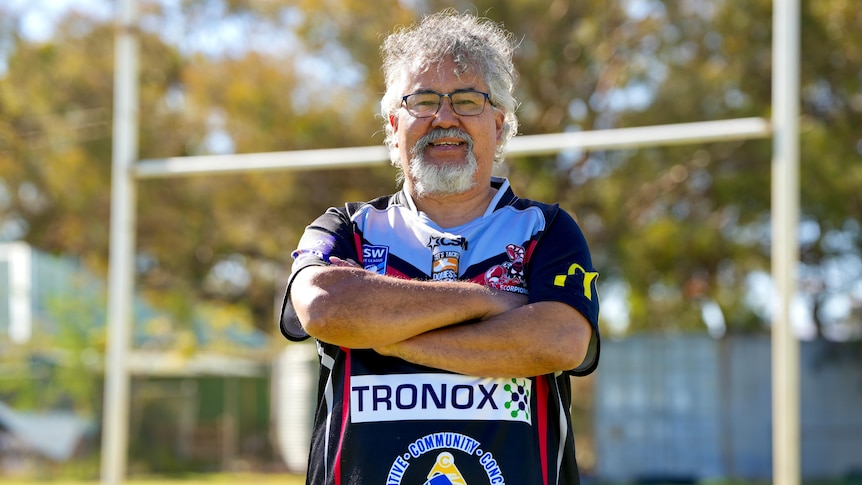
pixel 336 261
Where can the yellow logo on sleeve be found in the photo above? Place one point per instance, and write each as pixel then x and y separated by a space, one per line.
pixel 589 279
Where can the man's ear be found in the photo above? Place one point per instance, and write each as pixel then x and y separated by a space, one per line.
pixel 499 123
pixel 393 122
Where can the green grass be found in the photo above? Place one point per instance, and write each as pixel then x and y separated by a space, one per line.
pixel 280 479
pixel 239 479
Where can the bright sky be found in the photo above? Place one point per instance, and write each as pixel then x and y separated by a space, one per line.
pixel 39 16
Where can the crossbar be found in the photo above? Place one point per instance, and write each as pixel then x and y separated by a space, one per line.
pixel 332 158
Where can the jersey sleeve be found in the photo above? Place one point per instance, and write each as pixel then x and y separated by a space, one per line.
pixel 561 269
pixel 331 234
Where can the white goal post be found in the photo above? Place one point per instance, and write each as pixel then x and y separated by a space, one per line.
pixel 783 128
pixel 662 135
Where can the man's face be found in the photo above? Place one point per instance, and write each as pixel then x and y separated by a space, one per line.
pixel 446 153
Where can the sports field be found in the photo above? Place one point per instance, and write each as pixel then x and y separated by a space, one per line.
pixel 264 479
pixel 275 479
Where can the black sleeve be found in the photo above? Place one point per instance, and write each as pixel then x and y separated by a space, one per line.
pixel 561 269
pixel 331 234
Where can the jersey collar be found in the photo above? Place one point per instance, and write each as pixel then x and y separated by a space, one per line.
pixel 504 196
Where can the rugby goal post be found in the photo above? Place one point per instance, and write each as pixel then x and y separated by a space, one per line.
pixel 783 128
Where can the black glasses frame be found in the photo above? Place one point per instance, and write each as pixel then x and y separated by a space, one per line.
pixel 440 97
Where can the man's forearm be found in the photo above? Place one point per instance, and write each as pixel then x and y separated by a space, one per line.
pixel 358 309
pixel 537 339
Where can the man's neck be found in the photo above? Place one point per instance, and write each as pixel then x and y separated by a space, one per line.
pixel 453 210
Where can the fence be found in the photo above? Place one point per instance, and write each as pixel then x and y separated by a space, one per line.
pixel 688 407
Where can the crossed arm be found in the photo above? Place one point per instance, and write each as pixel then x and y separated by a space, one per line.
pixel 457 326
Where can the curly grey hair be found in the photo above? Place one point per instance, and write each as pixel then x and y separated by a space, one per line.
pixel 474 43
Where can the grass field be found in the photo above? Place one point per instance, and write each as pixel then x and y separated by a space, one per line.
pixel 274 479
pixel 191 480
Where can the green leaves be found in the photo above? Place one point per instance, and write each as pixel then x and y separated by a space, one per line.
pixel 287 76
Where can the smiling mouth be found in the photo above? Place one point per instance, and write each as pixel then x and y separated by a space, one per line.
pixel 443 139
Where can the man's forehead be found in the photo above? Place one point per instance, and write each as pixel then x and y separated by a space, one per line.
pixel 445 71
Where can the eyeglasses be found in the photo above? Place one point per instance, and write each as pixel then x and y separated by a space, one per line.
pixel 465 103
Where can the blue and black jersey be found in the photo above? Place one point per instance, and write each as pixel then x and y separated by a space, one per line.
pixel 382 420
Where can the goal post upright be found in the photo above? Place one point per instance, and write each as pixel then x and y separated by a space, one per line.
pixel 782 128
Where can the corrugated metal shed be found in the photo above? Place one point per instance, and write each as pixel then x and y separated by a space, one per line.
pixel 689 407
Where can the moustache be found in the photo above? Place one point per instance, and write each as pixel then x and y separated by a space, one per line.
pixel 442 133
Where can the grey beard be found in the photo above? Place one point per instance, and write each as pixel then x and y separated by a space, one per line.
pixel 442 180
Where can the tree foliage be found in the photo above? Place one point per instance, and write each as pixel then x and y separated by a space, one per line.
pixel 672 229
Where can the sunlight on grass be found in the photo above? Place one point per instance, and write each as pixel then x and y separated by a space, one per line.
pixel 251 479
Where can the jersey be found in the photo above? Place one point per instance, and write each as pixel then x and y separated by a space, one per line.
pixel 384 421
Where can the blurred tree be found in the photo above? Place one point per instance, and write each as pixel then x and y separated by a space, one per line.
pixel 681 231
pixel 675 231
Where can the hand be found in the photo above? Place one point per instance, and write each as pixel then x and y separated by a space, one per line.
pixel 344 263
pixel 505 301
pixel 502 301
pixel 387 350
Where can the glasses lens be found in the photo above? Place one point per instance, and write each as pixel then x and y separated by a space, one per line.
pixel 468 103
pixel 465 103
pixel 422 105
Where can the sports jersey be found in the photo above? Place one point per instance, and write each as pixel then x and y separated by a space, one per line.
pixel 384 421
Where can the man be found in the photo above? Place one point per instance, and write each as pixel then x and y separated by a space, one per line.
pixel 448 316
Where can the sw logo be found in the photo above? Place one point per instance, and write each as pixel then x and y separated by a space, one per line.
pixel 374 258
pixel 588 280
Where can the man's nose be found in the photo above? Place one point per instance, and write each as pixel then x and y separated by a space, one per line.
pixel 446 115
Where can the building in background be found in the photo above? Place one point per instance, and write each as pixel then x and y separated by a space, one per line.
pixel 200 389
pixel 687 408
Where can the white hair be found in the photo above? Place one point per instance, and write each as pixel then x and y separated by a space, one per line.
pixel 473 43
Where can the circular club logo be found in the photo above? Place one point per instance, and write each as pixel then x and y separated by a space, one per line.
pixel 445 459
